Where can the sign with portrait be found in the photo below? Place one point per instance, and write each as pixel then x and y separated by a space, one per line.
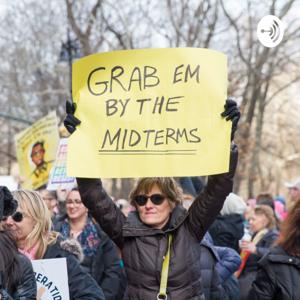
pixel 153 112
pixel 36 150
pixel 51 279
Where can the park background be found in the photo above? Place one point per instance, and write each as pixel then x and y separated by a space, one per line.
pixel 40 39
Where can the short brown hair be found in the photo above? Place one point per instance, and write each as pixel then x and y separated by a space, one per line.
pixel 167 185
pixel 268 212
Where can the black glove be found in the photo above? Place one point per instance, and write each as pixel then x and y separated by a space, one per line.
pixel 71 121
pixel 8 204
pixel 232 113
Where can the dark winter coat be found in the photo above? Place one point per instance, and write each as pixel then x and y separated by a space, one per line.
pixel 81 284
pixel 227 230
pixel 262 247
pixel 228 261
pixel 211 284
pixel 249 273
pixel 26 289
pixel 278 277
pixel 144 247
pixel 105 266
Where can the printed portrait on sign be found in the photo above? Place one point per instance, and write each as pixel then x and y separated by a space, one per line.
pixel 37 155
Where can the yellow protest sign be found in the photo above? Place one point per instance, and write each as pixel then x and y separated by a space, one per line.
pixel 153 112
pixel 36 151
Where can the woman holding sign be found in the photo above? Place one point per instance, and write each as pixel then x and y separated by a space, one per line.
pixel 31 226
pixel 160 240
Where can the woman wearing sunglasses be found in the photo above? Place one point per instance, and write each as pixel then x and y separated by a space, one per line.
pixel 31 227
pixel 160 240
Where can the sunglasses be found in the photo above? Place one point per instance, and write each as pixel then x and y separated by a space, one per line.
pixel 17 217
pixel 156 199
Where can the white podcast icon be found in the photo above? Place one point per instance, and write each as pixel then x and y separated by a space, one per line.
pixel 270 30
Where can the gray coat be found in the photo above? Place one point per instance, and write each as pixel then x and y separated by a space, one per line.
pixel 144 247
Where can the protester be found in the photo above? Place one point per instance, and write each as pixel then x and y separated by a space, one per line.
pixel 294 191
pixel 211 282
pixel 124 206
pixel 16 275
pixel 263 226
pixel 32 231
pixel 267 199
pixel 228 261
pixel 228 228
pixel 278 276
pixel 100 254
pixel 190 185
pixel 280 208
pixel 50 198
pixel 160 227
pixel 251 204
pixel 8 204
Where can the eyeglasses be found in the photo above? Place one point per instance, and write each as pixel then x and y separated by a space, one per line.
pixel 17 217
pixel 75 202
pixel 156 199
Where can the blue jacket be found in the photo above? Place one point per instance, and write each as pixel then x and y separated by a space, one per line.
pixel 211 284
pixel 228 260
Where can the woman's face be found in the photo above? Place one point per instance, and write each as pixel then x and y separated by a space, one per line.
pixel 258 222
pixel 20 229
pixel 49 200
pixel 155 215
pixel 75 208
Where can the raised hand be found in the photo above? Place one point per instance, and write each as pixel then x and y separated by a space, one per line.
pixel 232 113
pixel 71 121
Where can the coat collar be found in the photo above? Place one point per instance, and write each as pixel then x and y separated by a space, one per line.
pixel 278 255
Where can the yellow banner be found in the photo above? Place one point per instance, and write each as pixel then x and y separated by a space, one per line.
pixel 153 112
pixel 36 151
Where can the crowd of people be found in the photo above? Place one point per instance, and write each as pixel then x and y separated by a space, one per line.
pixel 173 238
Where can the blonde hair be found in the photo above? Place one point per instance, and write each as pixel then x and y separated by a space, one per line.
pixel 268 212
pixel 167 185
pixel 32 204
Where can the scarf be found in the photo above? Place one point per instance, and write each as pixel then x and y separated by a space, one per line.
pixel 88 238
pixel 245 254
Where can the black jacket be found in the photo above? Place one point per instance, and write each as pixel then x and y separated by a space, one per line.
pixel 104 266
pixel 278 277
pixel 227 230
pixel 144 247
pixel 81 284
pixel 26 288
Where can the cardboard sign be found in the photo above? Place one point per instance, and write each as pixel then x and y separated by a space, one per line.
pixel 152 112
pixel 51 279
pixel 58 176
pixel 36 150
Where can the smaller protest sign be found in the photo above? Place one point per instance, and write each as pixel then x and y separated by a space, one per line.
pixel 36 149
pixel 58 176
pixel 51 279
